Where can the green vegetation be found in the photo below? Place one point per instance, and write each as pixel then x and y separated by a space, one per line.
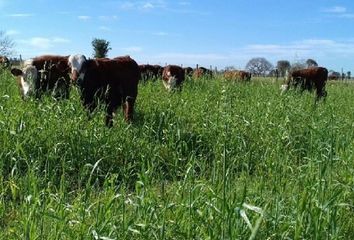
pixel 218 160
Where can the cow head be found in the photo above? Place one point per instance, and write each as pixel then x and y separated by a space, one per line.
pixel 76 63
pixel 4 62
pixel 170 81
pixel 27 79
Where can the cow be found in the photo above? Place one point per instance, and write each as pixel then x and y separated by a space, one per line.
pixel 113 81
pixel 148 71
pixel 308 79
pixel 4 62
pixel 47 73
pixel 188 71
pixel 158 70
pixel 237 75
pixel 202 72
pixel 173 77
pixel 334 76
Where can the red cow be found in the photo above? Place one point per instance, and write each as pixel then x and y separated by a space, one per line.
pixel 4 62
pixel 309 79
pixel 202 72
pixel 44 74
pixel 173 77
pixel 114 81
pixel 237 75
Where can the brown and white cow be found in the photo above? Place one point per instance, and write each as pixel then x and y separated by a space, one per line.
pixel 45 73
pixel 308 79
pixel 4 62
pixel 173 77
pixel 237 75
pixel 200 72
pixel 113 81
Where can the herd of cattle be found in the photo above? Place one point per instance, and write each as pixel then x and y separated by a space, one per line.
pixel 115 81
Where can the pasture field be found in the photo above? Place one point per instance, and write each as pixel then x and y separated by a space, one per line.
pixel 219 160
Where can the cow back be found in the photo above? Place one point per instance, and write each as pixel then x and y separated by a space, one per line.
pixel 237 75
pixel 121 75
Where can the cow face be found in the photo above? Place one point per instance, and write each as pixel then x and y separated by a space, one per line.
pixel 28 77
pixel 75 63
pixel 4 62
pixel 170 82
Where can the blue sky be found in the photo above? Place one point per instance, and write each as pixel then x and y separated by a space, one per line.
pixel 208 32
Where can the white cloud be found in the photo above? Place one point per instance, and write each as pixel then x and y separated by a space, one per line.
pixel 21 15
pixel 160 33
pixel 60 40
pixel 84 17
pixel 105 28
pixel 324 51
pixel 335 9
pixel 300 49
pixel 339 11
pixel 184 3
pixel 180 7
pixel 42 43
pixel 127 5
pixel 148 6
pixel 107 18
pixel 12 32
pixel 190 57
pixel 132 49
pixel 143 5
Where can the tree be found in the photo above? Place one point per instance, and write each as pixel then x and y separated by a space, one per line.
pixel 282 66
pixel 100 48
pixel 259 66
pixel 6 45
pixel 311 63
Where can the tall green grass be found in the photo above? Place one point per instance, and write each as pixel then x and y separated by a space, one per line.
pixel 218 160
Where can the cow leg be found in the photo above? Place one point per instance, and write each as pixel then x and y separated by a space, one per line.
pixel 111 108
pixel 128 108
pixel 61 89
pixel 89 103
pixel 109 115
pixel 90 108
pixel 113 101
pixel 320 91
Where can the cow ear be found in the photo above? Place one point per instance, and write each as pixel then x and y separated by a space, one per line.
pixel 16 72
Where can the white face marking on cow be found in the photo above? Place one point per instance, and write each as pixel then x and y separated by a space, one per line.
pixel 25 87
pixel 284 88
pixel 76 62
pixel 171 82
pixel 28 79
